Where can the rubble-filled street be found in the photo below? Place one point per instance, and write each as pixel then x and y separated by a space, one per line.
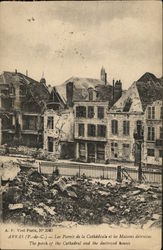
pixel 34 199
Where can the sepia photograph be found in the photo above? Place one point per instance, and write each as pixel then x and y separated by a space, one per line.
pixel 81 115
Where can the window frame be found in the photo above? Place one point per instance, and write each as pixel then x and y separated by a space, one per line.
pixel 90 112
pixel 100 151
pixel 101 130
pixel 82 151
pixel 114 127
pixel 153 112
pixel 79 113
pixel 81 129
pixel 161 133
pixel 50 123
pixel 90 126
pixel 100 112
pixel 160 153
pixel 149 150
pixel 150 133
pixel 161 113
pixel 126 127
pixel 149 112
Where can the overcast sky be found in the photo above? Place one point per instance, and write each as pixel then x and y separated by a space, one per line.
pixel 64 39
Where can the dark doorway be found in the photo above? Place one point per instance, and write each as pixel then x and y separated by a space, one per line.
pixel 137 154
pixel 50 144
pixel 91 152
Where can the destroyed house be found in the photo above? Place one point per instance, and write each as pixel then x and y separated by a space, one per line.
pixel 22 103
pixel 127 117
pixel 82 100
pixel 153 133
pixel 91 99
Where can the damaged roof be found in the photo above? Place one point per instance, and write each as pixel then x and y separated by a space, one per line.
pixel 147 89
pixel 38 90
pixel 81 86
pixel 150 89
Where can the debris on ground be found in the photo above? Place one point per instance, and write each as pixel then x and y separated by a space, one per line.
pixel 32 198
pixel 9 170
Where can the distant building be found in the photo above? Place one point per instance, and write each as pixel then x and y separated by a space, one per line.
pixel 22 103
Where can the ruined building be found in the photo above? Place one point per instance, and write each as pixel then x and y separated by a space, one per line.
pixel 153 133
pixel 83 102
pixel 22 104
pixel 128 116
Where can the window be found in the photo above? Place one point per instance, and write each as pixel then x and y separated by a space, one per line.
pixel 7 122
pixel 50 122
pixel 80 111
pixel 126 127
pixel 42 123
pixel 114 149
pixel 114 127
pixel 161 113
pixel 90 95
pixel 100 151
pixel 50 144
pixel 100 112
pixel 126 151
pixel 81 130
pixel 91 130
pixel 151 133
pixel 161 153
pixel 161 133
pixel 150 152
pixel 127 105
pixel 82 151
pixel 151 113
pixel 22 90
pixel 139 128
pixel 90 112
pixel 29 122
pixel 101 130
pixel 12 90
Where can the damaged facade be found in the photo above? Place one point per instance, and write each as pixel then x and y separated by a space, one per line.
pixel 104 118
pixel 81 104
pixel 124 118
pixel 90 111
pixel 59 124
pixel 129 116
pixel 85 119
pixel 58 132
pixel 22 103
pixel 153 134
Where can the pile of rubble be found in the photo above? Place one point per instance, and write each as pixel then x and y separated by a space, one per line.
pixel 24 151
pixel 33 199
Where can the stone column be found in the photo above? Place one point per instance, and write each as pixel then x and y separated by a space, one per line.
pixel 20 120
pixel 95 152
pixel 77 150
pixel 86 151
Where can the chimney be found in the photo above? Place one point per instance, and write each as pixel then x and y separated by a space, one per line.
pixel 26 72
pixel 113 91
pixel 117 90
pixel 69 93
pixel 105 78
pixel 16 71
